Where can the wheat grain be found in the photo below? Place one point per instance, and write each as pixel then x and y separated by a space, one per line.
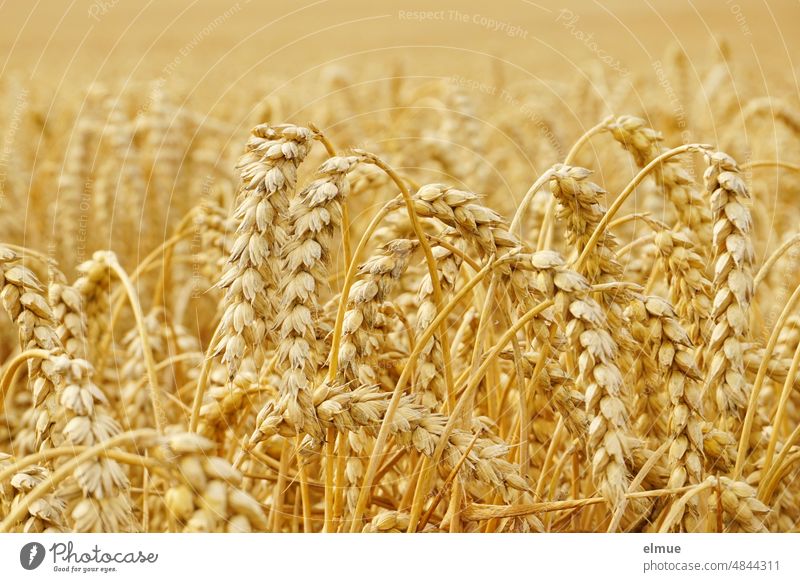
pixel 741 509
pixel 209 498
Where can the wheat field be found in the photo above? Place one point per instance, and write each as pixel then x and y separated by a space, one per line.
pixel 336 268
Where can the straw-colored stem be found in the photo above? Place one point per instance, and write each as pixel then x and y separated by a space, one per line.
pixel 778 472
pixel 14 366
pixel 352 269
pixel 119 299
pixel 584 139
pixel 64 451
pixel 766 267
pixel 632 185
pixel 780 412
pixel 304 493
pixel 548 459
pixel 752 405
pixel 466 396
pixel 431 262
pixel 330 468
pixel 438 497
pixel 383 433
pixel 526 200
pixel 636 482
pixel 202 381
pixel 147 350
pixel 478 512
pixel 677 509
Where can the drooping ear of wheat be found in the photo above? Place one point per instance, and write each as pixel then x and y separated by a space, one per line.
pixel 644 144
pixel 580 208
pixel 610 439
pixel 358 351
pixel 690 290
pixel 106 503
pixel 742 511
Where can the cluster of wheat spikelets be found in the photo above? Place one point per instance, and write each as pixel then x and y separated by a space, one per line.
pixel 315 335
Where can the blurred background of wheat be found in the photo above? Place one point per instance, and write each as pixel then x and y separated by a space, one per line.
pixel 122 127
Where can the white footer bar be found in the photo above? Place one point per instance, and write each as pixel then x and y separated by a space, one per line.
pixel 420 557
